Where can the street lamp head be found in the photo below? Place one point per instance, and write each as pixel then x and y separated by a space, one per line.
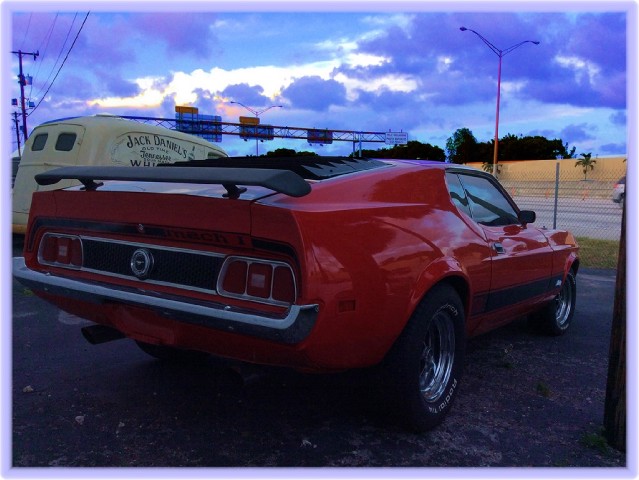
pixel 463 29
pixel 535 42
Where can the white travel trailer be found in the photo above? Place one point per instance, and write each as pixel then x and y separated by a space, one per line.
pixel 15 161
pixel 98 140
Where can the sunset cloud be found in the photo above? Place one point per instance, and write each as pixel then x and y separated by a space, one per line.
pixel 393 70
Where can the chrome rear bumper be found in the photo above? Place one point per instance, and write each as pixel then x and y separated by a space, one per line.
pixel 291 328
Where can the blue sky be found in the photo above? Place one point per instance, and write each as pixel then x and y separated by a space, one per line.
pixel 373 66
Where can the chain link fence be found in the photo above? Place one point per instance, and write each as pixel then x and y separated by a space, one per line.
pixel 589 205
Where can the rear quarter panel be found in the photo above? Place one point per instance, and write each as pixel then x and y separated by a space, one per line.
pixel 565 251
pixel 369 250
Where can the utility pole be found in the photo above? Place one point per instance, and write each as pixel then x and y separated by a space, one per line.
pixel 615 416
pixel 15 119
pixel 22 82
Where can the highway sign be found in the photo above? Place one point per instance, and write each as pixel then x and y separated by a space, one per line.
pixel 263 132
pixel 396 138
pixel 183 109
pixel 322 137
pixel 250 120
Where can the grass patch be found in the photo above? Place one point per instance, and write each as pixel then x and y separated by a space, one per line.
pixel 595 441
pixel 596 253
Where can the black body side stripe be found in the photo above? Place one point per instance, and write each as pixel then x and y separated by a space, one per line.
pixel 485 303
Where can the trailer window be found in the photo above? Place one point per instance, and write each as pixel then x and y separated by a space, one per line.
pixel 65 142
pixel 39 142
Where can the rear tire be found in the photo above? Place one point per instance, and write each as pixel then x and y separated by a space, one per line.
pixel 555 318
pixel 422 371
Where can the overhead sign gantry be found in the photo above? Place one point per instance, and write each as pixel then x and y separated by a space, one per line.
pixel 211 127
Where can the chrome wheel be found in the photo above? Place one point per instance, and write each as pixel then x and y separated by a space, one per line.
pixel 564 303
pixel 421 373
pixel 437 357
pixel 555 317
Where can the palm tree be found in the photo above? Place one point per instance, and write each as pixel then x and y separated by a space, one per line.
pixel 586 162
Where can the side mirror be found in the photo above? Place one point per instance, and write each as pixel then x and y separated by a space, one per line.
pixel 527 216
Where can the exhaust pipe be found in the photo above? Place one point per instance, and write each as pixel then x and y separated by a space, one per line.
pixel 96 334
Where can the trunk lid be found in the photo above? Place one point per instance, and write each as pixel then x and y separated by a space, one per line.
pixel 182 207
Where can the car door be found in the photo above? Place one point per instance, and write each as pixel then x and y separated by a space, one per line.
pixel 521 258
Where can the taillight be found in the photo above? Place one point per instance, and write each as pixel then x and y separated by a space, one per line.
pixel 283 285
pixel 259 280
pixel 235 277
pixel 60 250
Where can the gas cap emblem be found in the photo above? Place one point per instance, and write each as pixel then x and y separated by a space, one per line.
pixel 141 263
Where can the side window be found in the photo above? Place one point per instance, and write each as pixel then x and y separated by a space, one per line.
pixel 457 193
pixel 489 206
pixel 39 142
pixel 65 142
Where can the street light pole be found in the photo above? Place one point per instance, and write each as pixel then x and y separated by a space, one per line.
pixel 257 114
pixel 500 53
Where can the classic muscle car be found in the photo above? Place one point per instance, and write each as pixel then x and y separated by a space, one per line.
pixel 315 263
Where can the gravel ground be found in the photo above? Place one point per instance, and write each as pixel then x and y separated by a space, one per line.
pixel 525 400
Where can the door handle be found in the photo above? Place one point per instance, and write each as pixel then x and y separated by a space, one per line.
pixel 499 248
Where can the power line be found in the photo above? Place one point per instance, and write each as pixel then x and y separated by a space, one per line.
pixel 26 31
pixel 62 65
pixel 44 53
pixel 55 64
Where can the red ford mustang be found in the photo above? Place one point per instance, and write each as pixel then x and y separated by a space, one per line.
pixel 315 263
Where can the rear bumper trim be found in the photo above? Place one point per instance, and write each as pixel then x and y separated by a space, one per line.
pixel 291 328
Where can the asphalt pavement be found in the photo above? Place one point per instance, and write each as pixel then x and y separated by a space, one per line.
pixel 526 400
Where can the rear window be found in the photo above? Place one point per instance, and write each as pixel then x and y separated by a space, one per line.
pixel 65 142
pixel 39 142
pixel 489 206
pixel 457 193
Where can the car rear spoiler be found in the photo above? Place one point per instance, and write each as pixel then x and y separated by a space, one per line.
pixel 282 181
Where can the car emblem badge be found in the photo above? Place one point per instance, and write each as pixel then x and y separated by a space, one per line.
pixel 141 263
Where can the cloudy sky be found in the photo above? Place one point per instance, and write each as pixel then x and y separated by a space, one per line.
pixel 381 66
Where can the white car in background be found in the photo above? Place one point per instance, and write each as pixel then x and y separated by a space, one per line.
pixel 619 191
pixel 15 161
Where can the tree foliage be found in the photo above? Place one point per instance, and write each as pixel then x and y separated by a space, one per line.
pixel 535 147
pixel 289 152
pixel 462 146
pixel 413 149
